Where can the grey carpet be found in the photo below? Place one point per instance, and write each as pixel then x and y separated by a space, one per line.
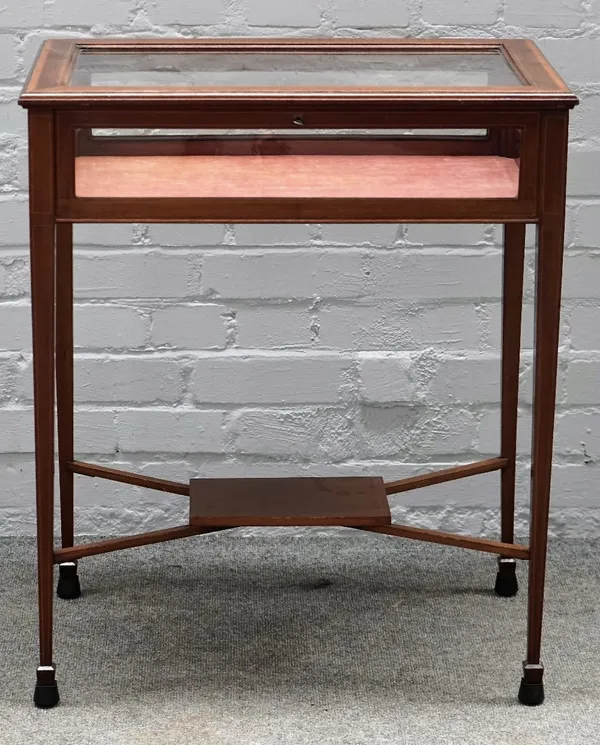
pixel 353 639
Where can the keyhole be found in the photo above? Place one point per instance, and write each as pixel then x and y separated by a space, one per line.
pixel 299 121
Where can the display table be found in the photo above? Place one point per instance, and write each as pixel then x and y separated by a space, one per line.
pixel 297 130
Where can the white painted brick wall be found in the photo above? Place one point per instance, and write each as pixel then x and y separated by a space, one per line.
pixel 297 15
pixel 170 430
pixel 76 13
pixel 186 12
pixel 293 378
pixel 436 12
pixel 193 326
pixel 231 350
pixel 299 274
pixel 366 14
pixel 543 13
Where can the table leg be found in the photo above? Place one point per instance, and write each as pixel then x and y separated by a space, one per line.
pixel 512 300
pixel 68 582
pixel 42 253
pixel 547 328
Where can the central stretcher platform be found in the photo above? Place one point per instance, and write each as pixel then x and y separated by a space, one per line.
pixel 349 501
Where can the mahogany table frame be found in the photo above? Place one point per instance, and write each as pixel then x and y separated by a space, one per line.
pixel 539 109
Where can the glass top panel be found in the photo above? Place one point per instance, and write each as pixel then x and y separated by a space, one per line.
pixel 300 69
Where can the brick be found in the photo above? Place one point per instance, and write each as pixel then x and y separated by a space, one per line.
pixel 574 486
pixel 414 431
pixel 583 382
pixel 496 326
pixel 576 60
pixel 354 234
pixel 18 481
pixel 13 118
pixel 14 218
pixel 584 167
pixel 74 13
pixel 95 431
pixel 364 327
pixel 471 12
pixel 387 378
pixel 8 170
pixel 135 379
pixel 15 326
pixel 110 327
pixel 588 219
pixel 447 327
pixel 489 434
pixel 260 13
pixel 386 431
pixel 578 433
pixel 466 380
pixel 281 379
pixel 274 326
pixel 3 282
pixel 7 377
pixel 22 169
pixel 441 234
pixel 445 433
pixel 585 328
pixel 133 275
pixel 26 14
pixel 111 235
pixel 440 276
pixel 8 55
pixel 585 118
pixel 371 13
pixel 9 164
pixel 16 432
pixel 186 12
pixel 544 13
pixel 278 234
pixel 190 326
pixel 184 234
pixel 387 326
pixel 290 274
pixel 572 226
pixel 317 434
pixel 170 431
pixel 581 277
pixel 14 278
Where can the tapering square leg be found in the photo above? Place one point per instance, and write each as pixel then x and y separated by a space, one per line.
pixel 42 255
pixel 512 300
pixel 547 328
pixel 68 582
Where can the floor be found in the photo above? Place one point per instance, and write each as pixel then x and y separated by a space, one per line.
pixel 351 639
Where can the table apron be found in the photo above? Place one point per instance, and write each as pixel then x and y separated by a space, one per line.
pixel 295 210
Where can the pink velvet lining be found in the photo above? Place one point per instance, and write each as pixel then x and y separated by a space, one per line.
pixel 358 176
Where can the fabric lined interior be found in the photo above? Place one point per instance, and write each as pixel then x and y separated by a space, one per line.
pixel 307 176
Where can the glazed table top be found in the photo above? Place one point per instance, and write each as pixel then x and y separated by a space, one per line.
pixel 167 71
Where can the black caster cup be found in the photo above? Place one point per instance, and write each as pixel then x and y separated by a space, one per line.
pixel 68 587
pixel 531 690
pixel 506 580
pixel 46 694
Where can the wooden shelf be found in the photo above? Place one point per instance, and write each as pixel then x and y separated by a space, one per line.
pixel 304 176
pixel 353 501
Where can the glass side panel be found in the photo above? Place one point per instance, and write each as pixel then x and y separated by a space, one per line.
pixel 243 69
pixel 307 166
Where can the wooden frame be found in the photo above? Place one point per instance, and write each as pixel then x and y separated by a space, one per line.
pixel 48 83
pixel 70 207
pixel 527 121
